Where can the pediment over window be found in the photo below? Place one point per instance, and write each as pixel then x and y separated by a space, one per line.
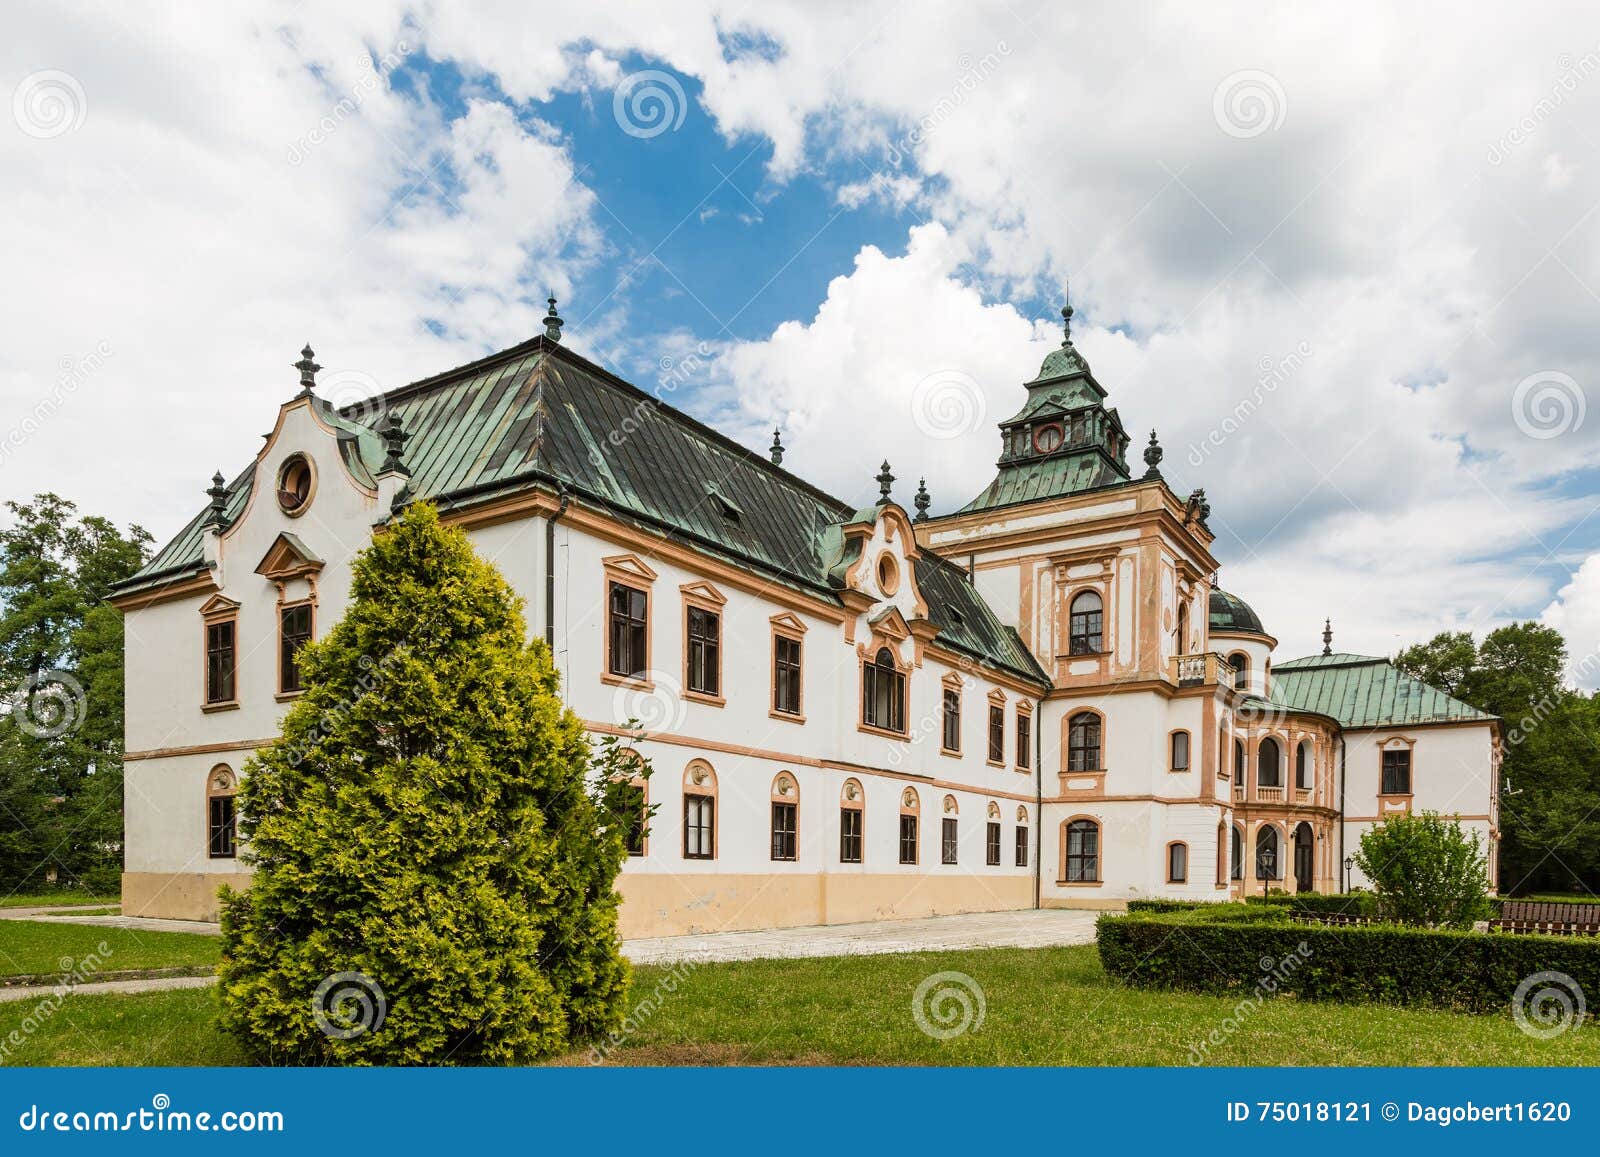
pixel 630 565
pixel 891 624
pixel 788 622
pixel 288 558
pixel 704 592
pixel 218 606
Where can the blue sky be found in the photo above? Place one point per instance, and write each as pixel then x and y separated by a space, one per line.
pixel 857 219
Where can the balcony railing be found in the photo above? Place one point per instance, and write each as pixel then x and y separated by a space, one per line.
pixel 1207 669
pixel 1269 794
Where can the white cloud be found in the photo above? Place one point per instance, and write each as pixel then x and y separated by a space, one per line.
pixel 1575 612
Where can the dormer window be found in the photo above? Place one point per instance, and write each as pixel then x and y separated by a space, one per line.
pixel 296 480
pixel 1047 439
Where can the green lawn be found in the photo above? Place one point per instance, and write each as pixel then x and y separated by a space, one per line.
pixel 34 947
pixel 59 897
pixel 1042 1007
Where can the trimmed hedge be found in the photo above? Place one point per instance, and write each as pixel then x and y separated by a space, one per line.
pixel 1167 905
pixel 1347 904
pixel 1463 971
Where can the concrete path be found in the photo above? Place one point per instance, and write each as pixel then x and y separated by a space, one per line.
pixel 137 923
pixel 38 992
pixel 1027 929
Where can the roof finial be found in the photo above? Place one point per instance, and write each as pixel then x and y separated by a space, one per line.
pixel 777 448
pixel 308 369
pixel 219 498
pixel 922 501
pixel 885 480
pixel 394 444
pixel 1152 457
pixel 1327 636
pixel 552 321
pixel 1066 315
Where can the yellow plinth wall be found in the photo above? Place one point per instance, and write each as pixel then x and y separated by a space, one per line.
pixel 665 905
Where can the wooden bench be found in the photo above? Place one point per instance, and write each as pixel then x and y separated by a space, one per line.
pixel 1548 916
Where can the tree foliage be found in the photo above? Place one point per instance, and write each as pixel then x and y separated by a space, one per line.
pixel 61 667
pixel 1426 870
pixel 433 826
pixel 1550 773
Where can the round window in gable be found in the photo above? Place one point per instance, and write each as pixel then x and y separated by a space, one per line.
pixel 1047 438
pixel 888 574
pixel 297 480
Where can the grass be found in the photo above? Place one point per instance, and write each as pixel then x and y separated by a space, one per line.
pixel 1051 1006
pixel 34 947
pixel 61 896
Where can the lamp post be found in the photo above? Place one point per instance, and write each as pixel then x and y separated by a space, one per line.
pixel 1349 862
pixel 1268 859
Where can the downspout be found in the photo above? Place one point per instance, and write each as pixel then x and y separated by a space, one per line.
pixel 1344 876
pixel 550 568
pixel 1038 810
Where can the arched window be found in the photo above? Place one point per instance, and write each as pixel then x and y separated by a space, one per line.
pixel 1239 768
pixel 222 821
pixel 1302 765
pixel 1177 863
pixel 1082 840
pixel 883 693
pixel 1236 855
pixel 852 808
pixel 1182 639
pixel 1269 854
pixel 1222 854
pixel 1240 662
pixel 1268 768
pixel 699 811
pixel 1085 625
pixel 785 816
pixel 1180 751
pixel 1083 742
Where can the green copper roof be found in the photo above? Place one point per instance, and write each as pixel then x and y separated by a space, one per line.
pixel 1231 613
pixel 1365 691
pixel 539 415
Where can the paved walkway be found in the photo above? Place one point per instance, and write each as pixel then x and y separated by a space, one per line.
pixel 138 923
pixel 155 984
pixel 1027 929
pixel 1030 928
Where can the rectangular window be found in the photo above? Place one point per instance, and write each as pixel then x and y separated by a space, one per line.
pixel 1397 772
pixel 951 738
pixel 294 633
pixel 628 632
pixel 1177 864
pixel 908 839
pixel 849 835
pixel 1180 751
pixel 786 675
pixel 705 651
pixel 991 844
pixel 997 734
pixel 883 694
pixel 222 828
pixel 1022 846
pixel 219 661
pixel 635 816
pixel 1083 852
pixel 948 847
pixel 699 827
pixel 1024 741
pixel 783 831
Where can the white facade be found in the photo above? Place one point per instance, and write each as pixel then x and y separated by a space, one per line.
pixel 1153 673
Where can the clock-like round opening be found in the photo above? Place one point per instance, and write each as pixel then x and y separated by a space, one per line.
pixel 1047 438
pixel 888 574
pixel 296 483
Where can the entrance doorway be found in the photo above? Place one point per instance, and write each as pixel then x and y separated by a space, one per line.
pixel 1304 844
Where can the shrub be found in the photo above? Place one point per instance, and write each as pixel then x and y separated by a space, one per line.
pixel 1465 971
pixel 1426 870
pixel 1348 904
pixel 1158 905
pixel 431 824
